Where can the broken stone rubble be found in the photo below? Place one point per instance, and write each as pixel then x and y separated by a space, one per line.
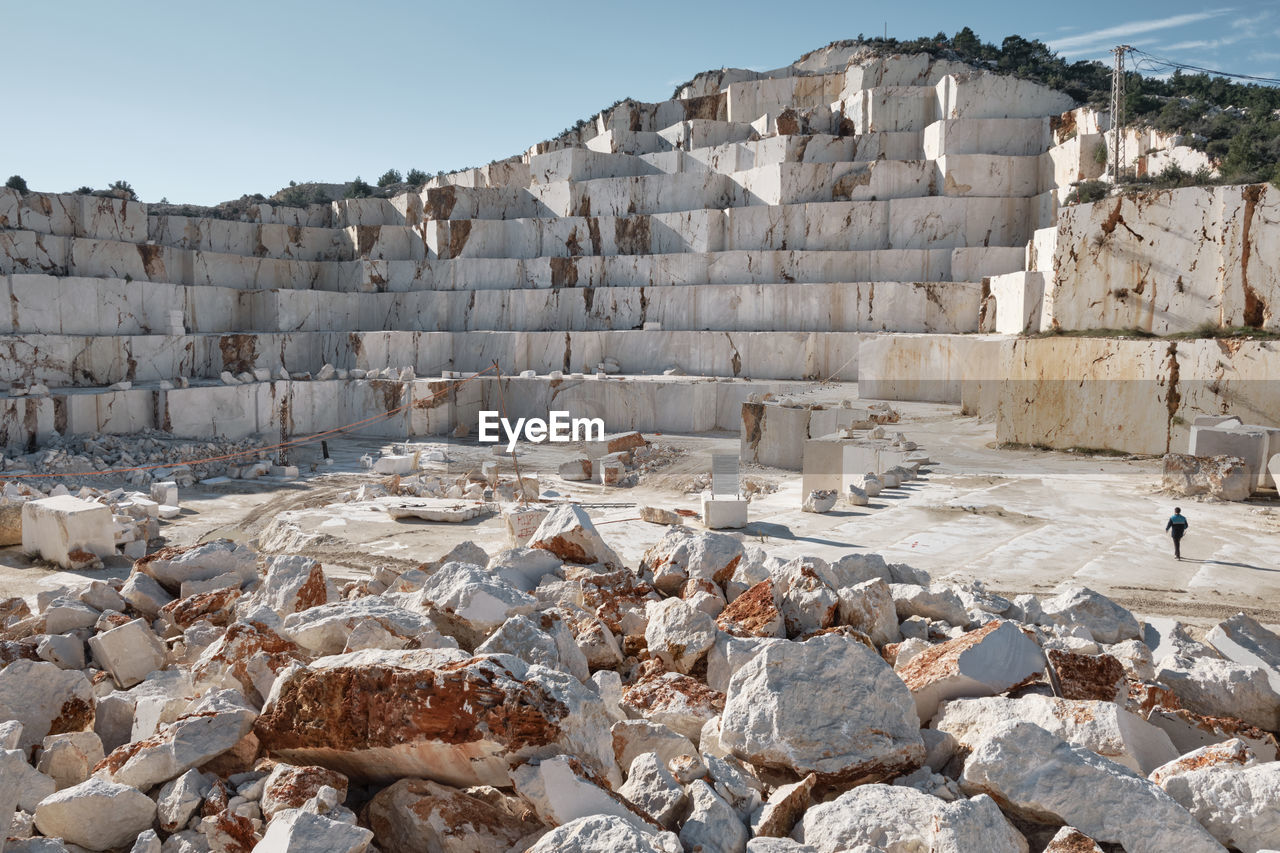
pixel 712 765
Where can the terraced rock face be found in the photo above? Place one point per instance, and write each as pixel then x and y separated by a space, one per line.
pixel 782 212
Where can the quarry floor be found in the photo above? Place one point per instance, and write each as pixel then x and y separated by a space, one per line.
pixel 1020 520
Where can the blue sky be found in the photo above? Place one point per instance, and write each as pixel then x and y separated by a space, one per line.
pixel 205 102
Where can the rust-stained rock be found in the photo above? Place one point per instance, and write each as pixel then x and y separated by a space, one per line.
pixel 247 658
pixel 1229 791
pixel 417 814
pixel 618 598
pixel 216 724
pixel 682 703
pixel 173 567
pixel 682 554
pixel 985 662
pixel 1079 676
pixel 293 584
pixel 568 533
pixel 438 714
pixel 1189 731
pixel 217 608
pixel 289 786
pixel 1071 840
pixel 755 613
pixel 46 700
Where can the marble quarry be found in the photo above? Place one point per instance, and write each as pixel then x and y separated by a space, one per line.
pixel 788 213
pixel 760 229
pixel 512 669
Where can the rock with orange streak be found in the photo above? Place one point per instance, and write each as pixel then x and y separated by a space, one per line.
pixel 289 786
pixel 984 662
pixel 682 554
pixel 248 657
pixel 438 714
pixel 755 613
pixel 215 724
pixel 45 700
pixel 293 584
pixel 417 814
pixel 682 703
pixel 568 533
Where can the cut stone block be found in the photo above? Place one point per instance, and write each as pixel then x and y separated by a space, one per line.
pixel 129 652
pixel 522 523
pixel 395 465
pixel 165 493
pixel 417 814
pixel 576 470
pixel 724 513
pixel 70 532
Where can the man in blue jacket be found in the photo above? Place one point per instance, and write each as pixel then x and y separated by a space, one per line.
pixel 1177 526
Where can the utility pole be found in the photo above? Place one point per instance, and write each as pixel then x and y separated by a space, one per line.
pixel 1115 163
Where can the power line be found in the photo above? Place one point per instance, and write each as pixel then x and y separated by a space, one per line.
pixel 1169 63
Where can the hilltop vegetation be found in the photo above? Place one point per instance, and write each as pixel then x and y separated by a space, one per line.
pixel 1236 124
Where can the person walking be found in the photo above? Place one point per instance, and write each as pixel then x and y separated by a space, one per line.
pixel 1177 527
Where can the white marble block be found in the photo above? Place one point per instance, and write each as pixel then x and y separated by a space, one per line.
pixel 67 531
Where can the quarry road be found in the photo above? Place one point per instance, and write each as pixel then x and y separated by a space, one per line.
pixel 1020 520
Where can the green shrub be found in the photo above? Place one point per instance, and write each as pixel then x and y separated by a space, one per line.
pixel 389 177
pixel 1087 192
pixel 416 178
pixel 1100 154
pixel 358 189
pixel 122 189
pixel 16 182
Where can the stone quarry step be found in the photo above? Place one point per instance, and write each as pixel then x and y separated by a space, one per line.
pixel 647 403
pixel 24 252
pixel 61 361
pixel 46 305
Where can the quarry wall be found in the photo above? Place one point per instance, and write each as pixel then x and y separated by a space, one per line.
pixel 1130 395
